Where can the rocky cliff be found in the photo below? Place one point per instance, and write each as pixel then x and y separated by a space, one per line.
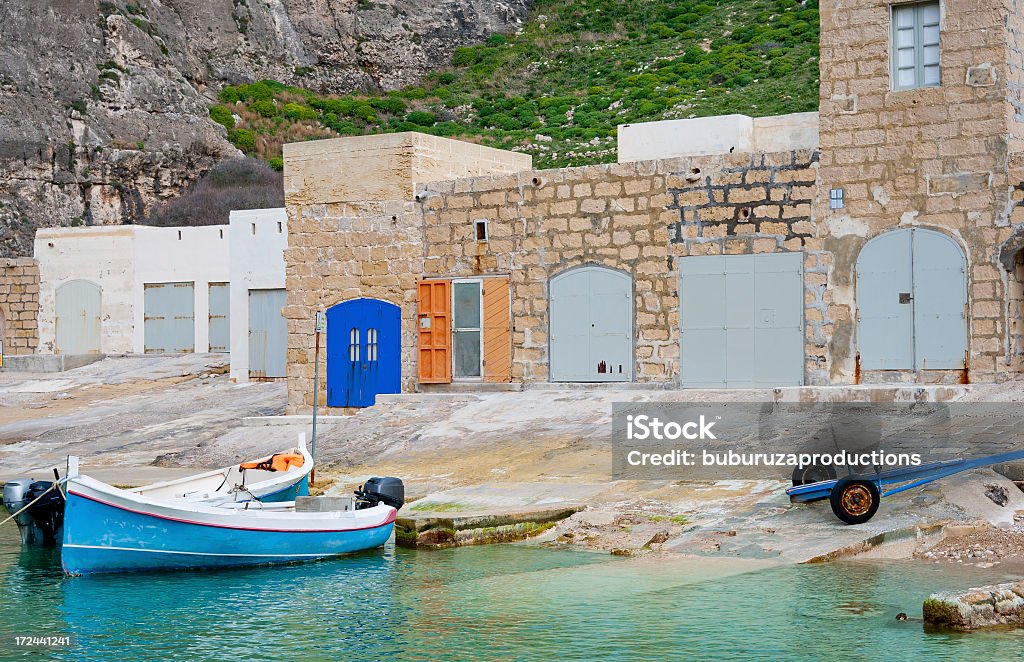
pixel 104 105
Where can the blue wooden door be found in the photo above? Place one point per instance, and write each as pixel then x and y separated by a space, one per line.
pixel 364 349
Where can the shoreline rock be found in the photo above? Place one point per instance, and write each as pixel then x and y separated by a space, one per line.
pixel 995 606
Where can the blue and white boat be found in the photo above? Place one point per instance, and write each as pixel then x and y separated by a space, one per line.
pixel 38 507
pixel 107 529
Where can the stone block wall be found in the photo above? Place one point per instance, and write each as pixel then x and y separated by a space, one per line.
pixel 19 305
pixel 636 217
pixel 385 167
pixel 934 157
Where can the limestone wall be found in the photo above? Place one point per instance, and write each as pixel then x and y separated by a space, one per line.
pixel 636 217
pixel 342 251
pixel 355 230
pixel 385 167
pixel 19 305
pixel 933 157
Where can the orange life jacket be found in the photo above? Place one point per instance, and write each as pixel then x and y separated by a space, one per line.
pixel 276 462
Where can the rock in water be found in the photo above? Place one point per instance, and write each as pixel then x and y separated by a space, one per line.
pixel 977 608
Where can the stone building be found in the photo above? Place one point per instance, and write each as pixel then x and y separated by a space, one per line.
pixel 877 242
pixel 19 305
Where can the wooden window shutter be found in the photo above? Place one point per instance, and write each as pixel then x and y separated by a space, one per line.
pixel 433 320
pixel 497 330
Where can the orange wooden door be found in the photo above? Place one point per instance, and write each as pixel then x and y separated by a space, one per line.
pixel 497 330
pixel 433 321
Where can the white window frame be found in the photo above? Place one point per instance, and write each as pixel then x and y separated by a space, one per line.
pixel 480 285
pixel 918 27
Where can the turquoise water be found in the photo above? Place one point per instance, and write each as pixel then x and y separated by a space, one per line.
pixel 500 601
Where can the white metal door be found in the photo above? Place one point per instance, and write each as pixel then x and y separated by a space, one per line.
pixel 912 302
pixel 268 334
pixel 169 325
pixel 591 326
pixel 220 316
pixel 77 318
pixel 741 320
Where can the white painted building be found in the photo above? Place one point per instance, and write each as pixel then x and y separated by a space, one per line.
pixel 139 289
pixel 720 134
pixel 258 240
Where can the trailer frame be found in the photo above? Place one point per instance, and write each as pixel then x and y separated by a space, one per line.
pixel 902 478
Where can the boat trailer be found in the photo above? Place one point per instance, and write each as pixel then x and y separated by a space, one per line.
pixel 855 498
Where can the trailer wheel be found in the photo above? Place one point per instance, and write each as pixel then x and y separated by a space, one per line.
pixel 854 500
pixel 812 474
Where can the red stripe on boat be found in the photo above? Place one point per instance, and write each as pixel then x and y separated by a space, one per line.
pixel 392 516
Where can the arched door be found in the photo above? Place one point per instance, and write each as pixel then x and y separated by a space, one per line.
pixel 364 349
pixel 591 327
pixel 912 302
pixel 77 319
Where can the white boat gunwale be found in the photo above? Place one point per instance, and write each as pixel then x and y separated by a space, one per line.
pixel 258 490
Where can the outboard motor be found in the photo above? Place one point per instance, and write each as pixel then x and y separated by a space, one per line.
pixel 389 491
pixel 43 522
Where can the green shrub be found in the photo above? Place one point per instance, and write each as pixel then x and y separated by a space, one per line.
pixel 260 91
pixel 294 111
pixel 422 118
pixel 276 163
pixel 230 94
pixel 243 139
pixel 464 56
pixel 223 116
pixel 264 108
pixel 393 105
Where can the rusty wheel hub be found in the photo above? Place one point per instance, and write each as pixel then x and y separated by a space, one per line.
pixel 857 500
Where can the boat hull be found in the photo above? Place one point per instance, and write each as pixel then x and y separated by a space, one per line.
pixel 301 488
pixel 103 536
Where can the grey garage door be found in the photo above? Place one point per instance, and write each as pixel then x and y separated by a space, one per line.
pixel 169 324
pixel 77 319
pixel 220 307
pixel 268 334
pixel 911 302
pixel 591 326
pixel 742 320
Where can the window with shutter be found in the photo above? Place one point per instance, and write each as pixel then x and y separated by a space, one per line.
pixel 915 45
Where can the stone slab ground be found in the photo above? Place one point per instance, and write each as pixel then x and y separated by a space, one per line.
pixel 138 419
